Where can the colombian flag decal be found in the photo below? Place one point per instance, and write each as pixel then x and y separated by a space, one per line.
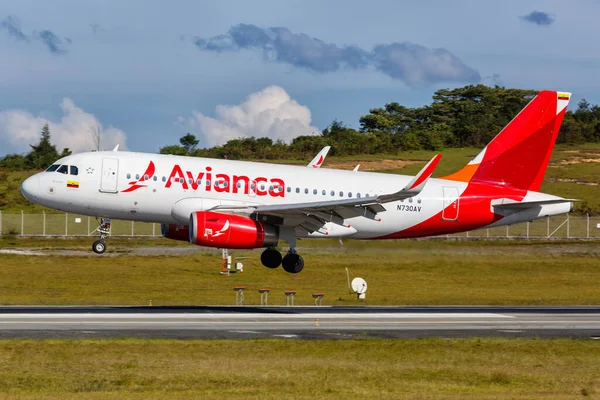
pixel 563 96
pixel 73 184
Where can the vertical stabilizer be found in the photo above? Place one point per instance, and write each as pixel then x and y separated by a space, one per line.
pixel 518 156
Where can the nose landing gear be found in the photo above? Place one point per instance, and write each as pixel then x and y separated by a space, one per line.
pixel 99 246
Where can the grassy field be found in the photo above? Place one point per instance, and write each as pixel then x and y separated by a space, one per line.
pixel 404 272
pixel 276 369
pixel 574 172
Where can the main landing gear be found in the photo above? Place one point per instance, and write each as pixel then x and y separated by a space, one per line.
pixel 99 246
pixel 292 262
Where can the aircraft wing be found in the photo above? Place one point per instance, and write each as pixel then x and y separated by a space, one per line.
pixel 319 158
pixel 313 215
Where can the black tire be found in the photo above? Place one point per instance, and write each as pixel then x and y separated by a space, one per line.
pixel 271 258
pixel 99 246
pixel 292 263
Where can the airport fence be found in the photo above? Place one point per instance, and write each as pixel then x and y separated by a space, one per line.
pixel 66 224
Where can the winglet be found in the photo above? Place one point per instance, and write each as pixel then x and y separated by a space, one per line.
pixel 356 168
pixel 116 148
pixel 418 182
pixel 319 158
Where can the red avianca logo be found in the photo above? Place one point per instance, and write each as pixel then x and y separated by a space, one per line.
pixel 221 183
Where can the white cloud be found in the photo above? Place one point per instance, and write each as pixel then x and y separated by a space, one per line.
pixel 270 112
pixel 20 128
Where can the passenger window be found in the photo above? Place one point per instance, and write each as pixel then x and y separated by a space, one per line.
pixel 74 170
pixel 164 178
pixel 128 176
pixel 155 178
pixel 64 169
pixel 239 185
pixel 332 193
pixel 341 194
pixel 349 194
pixel 297 190
pixel 314 191
pixel 53 168
pixel 137 176
pixel 324 192
pixel 225 184
pixel 305 190
pixel 208 182
pixel 252 186
pixel 190 181
pixel 358 195
pixel 289 189
pixel 146 177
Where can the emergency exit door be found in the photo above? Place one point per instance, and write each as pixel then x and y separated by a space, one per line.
pixel 110 174
pixel 451 199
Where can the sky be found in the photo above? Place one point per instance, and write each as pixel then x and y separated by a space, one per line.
pixel 143 73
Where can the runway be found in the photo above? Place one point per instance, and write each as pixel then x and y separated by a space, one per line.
pixel 213 322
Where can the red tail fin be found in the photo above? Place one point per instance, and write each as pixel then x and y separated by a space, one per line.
pixel 519 154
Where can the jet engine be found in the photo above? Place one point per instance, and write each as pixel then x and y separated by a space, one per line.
pixel 213 229
pixel 175 232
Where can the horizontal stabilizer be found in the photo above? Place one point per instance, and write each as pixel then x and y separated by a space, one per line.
pixel 510 204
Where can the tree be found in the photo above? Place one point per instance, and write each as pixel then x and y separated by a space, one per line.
pixel 16 161
pixel 173 149
pixel 44 153
pixel 189 142
pixel 95 132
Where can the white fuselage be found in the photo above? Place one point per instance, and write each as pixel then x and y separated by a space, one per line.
pixel 113 184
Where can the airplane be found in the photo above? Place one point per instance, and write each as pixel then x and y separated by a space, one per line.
pixel 246 205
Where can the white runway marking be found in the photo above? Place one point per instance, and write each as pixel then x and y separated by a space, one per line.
pixel 254 316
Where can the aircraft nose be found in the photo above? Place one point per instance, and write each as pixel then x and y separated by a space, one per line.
pixel 30 188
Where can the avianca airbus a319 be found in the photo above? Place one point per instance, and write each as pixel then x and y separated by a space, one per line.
pixel 246 205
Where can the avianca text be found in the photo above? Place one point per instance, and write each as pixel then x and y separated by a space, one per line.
pixel 223 183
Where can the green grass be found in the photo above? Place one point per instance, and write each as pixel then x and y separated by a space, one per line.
pixel 398 273
pixel 276 369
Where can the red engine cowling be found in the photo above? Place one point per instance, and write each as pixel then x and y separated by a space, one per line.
pixel 175 232
pixel 230 231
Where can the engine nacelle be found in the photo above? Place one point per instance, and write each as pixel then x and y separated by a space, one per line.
pixel 175 232
pixel 213 229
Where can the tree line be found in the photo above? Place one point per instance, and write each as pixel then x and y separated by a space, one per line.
pixel 40 156
pixel 469 116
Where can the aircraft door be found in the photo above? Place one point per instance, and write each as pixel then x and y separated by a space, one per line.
pixel 451 203
pixel 110 174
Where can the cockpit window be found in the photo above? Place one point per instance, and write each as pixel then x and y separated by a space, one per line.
pixel 74 170
pixel 53 168
pixel 64 169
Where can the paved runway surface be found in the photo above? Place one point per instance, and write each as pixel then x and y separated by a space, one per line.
pixel 298 322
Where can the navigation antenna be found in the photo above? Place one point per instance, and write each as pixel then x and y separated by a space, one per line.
pixel 358 286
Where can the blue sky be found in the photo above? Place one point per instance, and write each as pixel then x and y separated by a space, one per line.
pixel 145 72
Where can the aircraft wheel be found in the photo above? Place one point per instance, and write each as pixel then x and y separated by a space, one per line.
pixel 292 263
pixel 99 247
pixel 270 258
